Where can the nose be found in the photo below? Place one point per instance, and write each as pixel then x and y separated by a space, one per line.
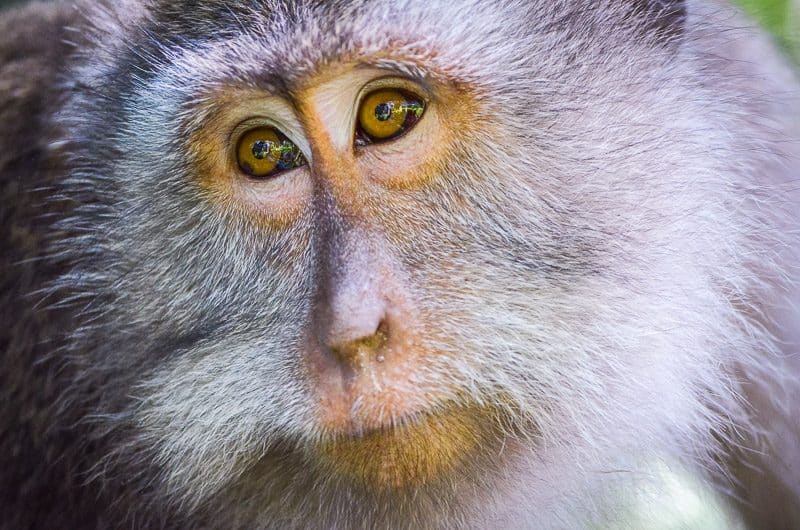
pixel 358 327
pixel 357 350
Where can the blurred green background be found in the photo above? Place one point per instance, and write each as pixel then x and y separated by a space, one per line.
pixel 773 13
pixel 781 17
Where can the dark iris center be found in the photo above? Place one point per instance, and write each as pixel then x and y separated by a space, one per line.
pixel 262 149
pixel 383 111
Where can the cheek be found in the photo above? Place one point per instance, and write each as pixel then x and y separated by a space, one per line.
pixel 209 412
pixel 488 272
pixel 206 415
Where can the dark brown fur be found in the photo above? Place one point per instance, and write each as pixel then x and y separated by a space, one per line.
pixel 41 488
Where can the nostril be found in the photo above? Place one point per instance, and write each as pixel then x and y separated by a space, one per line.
pixel 355 352
pixel 383 330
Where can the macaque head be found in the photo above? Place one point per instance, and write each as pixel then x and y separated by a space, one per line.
pixel 350 254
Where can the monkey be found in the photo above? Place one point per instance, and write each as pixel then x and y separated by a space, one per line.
pixel 397 264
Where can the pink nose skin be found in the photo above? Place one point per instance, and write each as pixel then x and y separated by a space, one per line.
pixel 366 358
pixel 358 325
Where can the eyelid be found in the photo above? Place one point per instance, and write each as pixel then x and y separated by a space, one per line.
pixel 394 82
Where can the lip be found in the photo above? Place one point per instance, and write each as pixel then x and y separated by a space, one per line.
pixel 366 430
pixel 413 453
pixel 374 399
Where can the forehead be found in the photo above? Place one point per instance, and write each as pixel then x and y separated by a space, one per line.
pixel 201 19
pixel 283 41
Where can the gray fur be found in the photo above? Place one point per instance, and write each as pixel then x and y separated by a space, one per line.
pixel 618 236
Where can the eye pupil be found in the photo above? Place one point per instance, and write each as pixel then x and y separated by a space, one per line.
pixel 262 149
pixel 383 112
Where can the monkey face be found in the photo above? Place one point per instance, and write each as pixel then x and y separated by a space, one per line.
pixel 348 254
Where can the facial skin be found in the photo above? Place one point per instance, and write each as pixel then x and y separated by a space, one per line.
pixel 564 275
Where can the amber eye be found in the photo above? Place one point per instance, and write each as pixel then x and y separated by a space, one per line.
pixel 386 114
pixel 264 152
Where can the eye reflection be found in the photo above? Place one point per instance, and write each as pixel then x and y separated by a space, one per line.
pixel 386 114
pixel 264 152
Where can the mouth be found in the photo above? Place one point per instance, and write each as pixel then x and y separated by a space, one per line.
pixel 415 452
pixel 392 425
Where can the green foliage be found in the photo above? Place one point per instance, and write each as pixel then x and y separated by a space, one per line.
pixel 781 17
pixel 773 13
